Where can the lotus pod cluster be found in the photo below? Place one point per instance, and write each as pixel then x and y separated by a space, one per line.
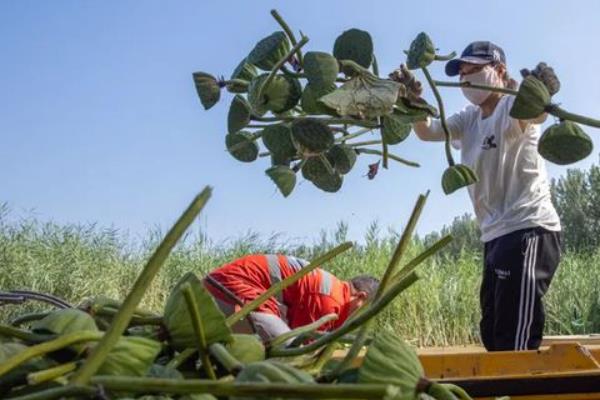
pixel 292 106
pixel 565 143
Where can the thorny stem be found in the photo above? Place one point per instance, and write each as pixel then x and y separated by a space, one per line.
pixel 281 339
pixel 440 102
pixel 278 287
pixel 47 347
pixel 277 66
pixel 121 320
pixel 349 326
pixel 391 156
pixel 289 33
pixel 198 326
pixel 250 389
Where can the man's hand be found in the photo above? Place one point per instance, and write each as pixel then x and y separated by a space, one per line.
pixel 546 74
pixel 414 88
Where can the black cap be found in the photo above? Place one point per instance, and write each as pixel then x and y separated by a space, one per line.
pixel 481 52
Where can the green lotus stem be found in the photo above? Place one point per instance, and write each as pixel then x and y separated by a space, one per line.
pixel 224 357
pixel 395 289
pixel 403 243
pixel 182 357
pixel 354 66
pixel 135 320
pixel 69 392
pixel 327 164
pixel 121 320
pixel 300 75
pixel 198 326
pixel 446 57
pixel 240 82
pixel 48 347
pixel 250 389
pixel 440 102
pixel 279 286
pixel 439 392
pixel 384 145
pixel 473 86
pixel 563 114
pixel 289 33
pixel 277 66
pixel 353 135
pixel 385 153
pixel 264 154
pixel 24 335
pixel 357 346
pixel 412 264
pixel 391 156
pixel 375 66
pixel 322 359
pixel 281 339
pixel 23 319
pixel 50 374
pixel 459 392
pixel 365 143
pixel 328 121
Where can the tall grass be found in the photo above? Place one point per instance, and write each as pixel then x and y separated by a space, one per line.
pixel 78 261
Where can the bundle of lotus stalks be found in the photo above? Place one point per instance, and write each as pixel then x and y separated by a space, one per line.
pixel 308 110
pixel 108 349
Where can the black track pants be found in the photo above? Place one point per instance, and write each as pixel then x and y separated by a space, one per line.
pixel 518 268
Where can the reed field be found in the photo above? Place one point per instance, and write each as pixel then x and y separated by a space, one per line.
pixel 77 261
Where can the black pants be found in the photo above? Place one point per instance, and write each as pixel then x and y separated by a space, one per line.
pixel 518 268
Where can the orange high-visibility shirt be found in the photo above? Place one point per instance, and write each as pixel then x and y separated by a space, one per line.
pixel 313 296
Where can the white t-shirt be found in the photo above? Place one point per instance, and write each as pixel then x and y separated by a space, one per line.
pixel 513 191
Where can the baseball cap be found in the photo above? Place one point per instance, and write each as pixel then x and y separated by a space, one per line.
pixel 481 52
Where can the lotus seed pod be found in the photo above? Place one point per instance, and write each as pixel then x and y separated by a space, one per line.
pixel 269 51
pixel 391 360
pixel 355 45
pixel 242 146
pixel 456 177
pixel 178 321
pixel 421 52
pixel 315 170
pixel 244 71
pixel 394 130
pixel 246 348
pixel 198 396
pixel 64 321
pixel 279 160
pixel 239 114
pixel 282 94
pixel 343 158
pixel 321 69
pixel 278 140
pixel 131 356
pixel 208 89
pixel 311 136
pixel 531 100
pixel 310 100
pixel 271 372
pixel 565 143
pixel 284 177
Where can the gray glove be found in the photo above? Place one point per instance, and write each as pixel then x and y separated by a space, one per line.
pixel 414 88
pixel 546 74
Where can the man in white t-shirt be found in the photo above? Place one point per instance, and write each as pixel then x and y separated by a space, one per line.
pixel 519 225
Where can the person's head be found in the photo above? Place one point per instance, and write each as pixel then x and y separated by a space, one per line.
pixel 481 63
pixel 362 288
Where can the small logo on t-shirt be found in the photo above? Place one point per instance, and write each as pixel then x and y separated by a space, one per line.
pixel 488 143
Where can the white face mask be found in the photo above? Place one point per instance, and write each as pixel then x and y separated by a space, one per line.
pixel 487 76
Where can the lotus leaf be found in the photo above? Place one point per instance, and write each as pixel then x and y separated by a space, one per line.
pixel 311 136
pixel 239 114
pixel 565 143
pixel 278 140
pixel 246 348
pixel 391 360
pixel 284 177
pixel 208 89
pixel 282 94
pixel 242 146
pixel 356 45
pixel 395 129
pixel 421 52
pixel 321 69
pixel 364 96
pixel 178 321
pixel 269 51
pixel 456 177
pixel 343 158
pixel 531 100
pixel 315 170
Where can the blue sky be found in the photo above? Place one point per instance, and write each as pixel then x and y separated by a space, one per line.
pixel 100 122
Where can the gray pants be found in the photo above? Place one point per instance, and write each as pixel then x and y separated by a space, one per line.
pixel 268 326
